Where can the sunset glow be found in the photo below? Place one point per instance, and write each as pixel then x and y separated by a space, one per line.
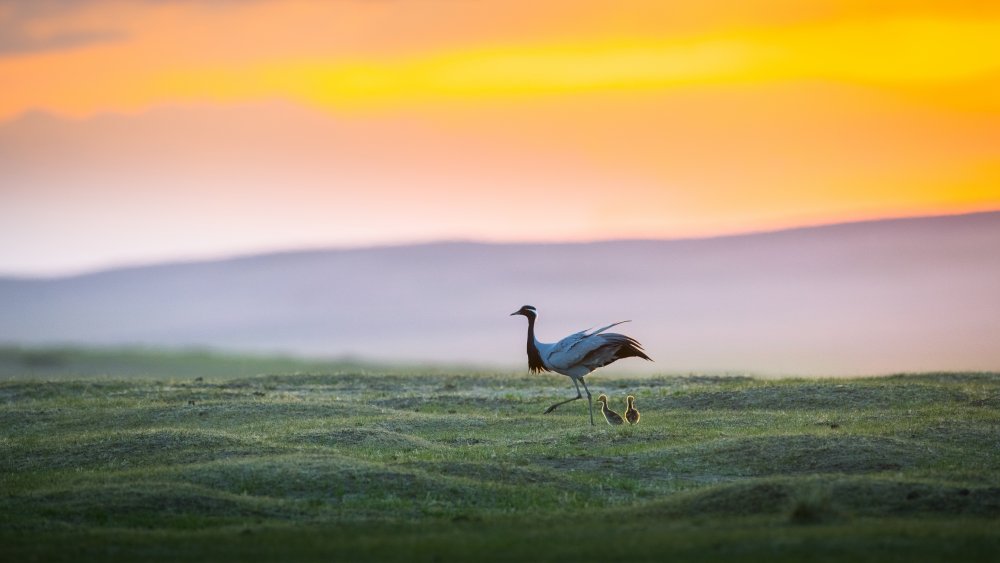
pixel 130 130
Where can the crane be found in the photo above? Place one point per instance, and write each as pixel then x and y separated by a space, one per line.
pixel 578 354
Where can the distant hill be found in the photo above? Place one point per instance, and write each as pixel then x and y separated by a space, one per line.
pixel 872 297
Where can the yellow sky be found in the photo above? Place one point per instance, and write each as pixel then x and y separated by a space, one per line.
pixel 701 118
pixel 174 52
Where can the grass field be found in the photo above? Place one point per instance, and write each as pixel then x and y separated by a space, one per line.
pixel 204 457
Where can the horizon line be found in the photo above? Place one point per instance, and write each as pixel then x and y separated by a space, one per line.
pixel 237 255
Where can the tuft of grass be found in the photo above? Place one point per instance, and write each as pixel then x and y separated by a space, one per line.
pixel 814 506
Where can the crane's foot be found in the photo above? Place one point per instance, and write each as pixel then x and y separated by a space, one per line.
pixel 561 403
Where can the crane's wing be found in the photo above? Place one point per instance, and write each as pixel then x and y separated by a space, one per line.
pixel 600 330
pixel 593 350
pixel 571 341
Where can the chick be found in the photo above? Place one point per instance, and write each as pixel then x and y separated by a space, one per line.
pixel 611 416
pixel 631 414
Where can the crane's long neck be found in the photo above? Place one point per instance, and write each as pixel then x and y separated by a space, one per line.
pixel 535 363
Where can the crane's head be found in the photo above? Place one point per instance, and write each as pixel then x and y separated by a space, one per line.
pixel 630 399
pixel 603 399
pixel 527 311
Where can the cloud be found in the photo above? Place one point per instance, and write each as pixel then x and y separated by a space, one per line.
pixel 21 30
pixel 21 24
pixel 14 41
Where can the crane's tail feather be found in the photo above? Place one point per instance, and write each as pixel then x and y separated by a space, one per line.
pixel 631 349
pixel 617 347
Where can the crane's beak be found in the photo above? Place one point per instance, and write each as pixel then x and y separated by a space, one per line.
pixel 515 313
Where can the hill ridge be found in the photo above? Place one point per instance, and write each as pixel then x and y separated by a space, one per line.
pixel 852 299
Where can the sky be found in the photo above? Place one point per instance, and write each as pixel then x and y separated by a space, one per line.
pixel 140 131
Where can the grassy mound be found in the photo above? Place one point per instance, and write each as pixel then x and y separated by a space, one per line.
pixel 366 465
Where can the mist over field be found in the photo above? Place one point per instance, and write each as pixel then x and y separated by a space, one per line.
pixel 861 298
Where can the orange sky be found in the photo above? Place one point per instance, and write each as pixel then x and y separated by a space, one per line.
pixel 136 131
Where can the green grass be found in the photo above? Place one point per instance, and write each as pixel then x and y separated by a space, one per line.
pixel 360 464
pixel 62 363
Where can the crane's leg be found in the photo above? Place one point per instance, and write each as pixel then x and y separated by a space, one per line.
pixel 589 400
pixel 578 396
